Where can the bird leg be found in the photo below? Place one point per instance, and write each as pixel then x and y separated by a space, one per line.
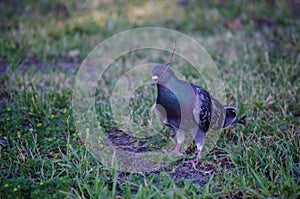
pixel 180 138
pixel 195 161
pixel 176 150
pixel 199 141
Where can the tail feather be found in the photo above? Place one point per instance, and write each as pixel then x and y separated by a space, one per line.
pixel 231 118
pixel 242 120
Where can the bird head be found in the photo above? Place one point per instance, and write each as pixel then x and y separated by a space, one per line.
pixel 161 74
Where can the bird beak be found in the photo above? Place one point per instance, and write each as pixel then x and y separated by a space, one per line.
pixel 154 80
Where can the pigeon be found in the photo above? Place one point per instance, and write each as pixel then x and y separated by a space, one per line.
pixel 188 108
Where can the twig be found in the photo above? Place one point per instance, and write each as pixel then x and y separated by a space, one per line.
pixel 170 61
pixel 171 58
pixel 133 99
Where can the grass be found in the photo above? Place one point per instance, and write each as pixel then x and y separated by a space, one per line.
pixel 42 154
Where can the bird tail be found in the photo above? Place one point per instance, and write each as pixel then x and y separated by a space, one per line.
pixel 231 118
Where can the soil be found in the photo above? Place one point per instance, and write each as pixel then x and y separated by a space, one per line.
pixel 179 170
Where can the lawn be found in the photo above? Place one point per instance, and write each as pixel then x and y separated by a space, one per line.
pixel 43 149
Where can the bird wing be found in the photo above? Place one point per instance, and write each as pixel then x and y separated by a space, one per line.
pixel 202 108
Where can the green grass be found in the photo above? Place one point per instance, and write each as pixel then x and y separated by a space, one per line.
pixel 42 154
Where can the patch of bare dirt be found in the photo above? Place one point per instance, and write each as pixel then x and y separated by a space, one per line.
pixel 177 171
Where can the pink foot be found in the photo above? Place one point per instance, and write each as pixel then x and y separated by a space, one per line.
pixel 195 161
pixel 177 150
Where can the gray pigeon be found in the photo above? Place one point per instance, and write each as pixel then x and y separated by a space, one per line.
pixel 186 107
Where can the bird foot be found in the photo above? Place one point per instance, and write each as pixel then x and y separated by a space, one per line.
pixel 177 153
pixel 177 150
pixel 194 162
